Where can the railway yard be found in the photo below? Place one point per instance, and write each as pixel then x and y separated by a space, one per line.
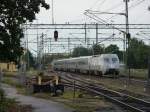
pixel 121 98
pixel 74 56
pixel 95 93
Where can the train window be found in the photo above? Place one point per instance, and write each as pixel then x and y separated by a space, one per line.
pixel 106 59
pixel 114 60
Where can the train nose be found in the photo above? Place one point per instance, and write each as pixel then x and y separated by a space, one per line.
pixel 112 66
pixel 111 70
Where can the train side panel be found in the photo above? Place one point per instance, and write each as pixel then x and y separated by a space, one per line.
pixel 100 64
pixel 82 64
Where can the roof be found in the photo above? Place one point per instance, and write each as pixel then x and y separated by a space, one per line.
pixel 82 57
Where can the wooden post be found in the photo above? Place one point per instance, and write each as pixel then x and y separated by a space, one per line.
pixel 74 90
pixel 1 76
pixel 148 77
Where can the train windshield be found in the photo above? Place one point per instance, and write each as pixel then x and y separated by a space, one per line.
pixel 114 60
pixel 106 60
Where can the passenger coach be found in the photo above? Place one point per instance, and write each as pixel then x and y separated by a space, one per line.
pixel 98 64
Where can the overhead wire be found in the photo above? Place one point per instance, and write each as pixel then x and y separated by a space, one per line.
pixel 115 6
pixel 96 2
pixel 136 4
pixel 102 3
pixel 132 6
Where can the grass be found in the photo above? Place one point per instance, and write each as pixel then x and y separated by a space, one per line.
pixel 29 73
pixel 70 95
pixel 10 105
pixel 136 73
pixel 10 74
pixel 123 85
pixel 12 82
pixel 21 89
pixel 83 102
pixel 32 73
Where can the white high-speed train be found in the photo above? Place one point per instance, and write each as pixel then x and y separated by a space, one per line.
pixel 98 64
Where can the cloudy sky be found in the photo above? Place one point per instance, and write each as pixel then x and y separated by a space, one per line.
pixel 72 11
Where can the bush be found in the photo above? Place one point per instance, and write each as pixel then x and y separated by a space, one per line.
pixel 1 95
pixel 4 102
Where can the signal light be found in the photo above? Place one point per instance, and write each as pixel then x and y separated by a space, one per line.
pixel 128 35
pixel 55 35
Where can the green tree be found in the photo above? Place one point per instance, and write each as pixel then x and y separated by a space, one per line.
pixel 29 58
pixel 138 54
pixel 49 58
pixel 80 51
pixel 114 49
pixel 14 13
pixel 97 49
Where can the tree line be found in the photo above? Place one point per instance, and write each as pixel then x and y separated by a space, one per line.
pixel 136 56
pixel 96 50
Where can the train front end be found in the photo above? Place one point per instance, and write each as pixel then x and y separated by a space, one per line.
pixel 111 64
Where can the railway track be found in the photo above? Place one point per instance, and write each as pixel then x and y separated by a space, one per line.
pixel 126 101
pixel 121 77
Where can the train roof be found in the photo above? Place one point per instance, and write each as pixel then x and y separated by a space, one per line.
pixel 85 57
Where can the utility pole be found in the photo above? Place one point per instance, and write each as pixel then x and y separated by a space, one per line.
pixel 124 48
pixel 42 51
pixel 69 46
pixel 85 33
pixel 127 37
pixel 127 16
pixel 37 45
pixel 148 77
pixel 53 12
pixel 96 33
pixel 50 47
pixel 27 48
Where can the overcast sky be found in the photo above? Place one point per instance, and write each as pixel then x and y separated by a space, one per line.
pixel 72 11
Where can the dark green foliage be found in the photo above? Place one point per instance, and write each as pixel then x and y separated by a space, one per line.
pixel 14 13
pixel 49 58
pixel 80 51
pixel 114 49
pixel 138 54
pixel 97 49
pixel 5 103
pixel 28 57
pixel 1 95
pixel 31 60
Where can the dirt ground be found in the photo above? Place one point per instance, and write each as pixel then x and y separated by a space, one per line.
pixel 38 104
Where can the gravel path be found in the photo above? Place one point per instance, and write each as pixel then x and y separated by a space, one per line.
pixel 39 105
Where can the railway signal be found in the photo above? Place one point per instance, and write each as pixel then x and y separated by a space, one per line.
pixel 128 35
pixel 55 35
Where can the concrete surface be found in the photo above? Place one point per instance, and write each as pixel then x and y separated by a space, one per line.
pixel 39 105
